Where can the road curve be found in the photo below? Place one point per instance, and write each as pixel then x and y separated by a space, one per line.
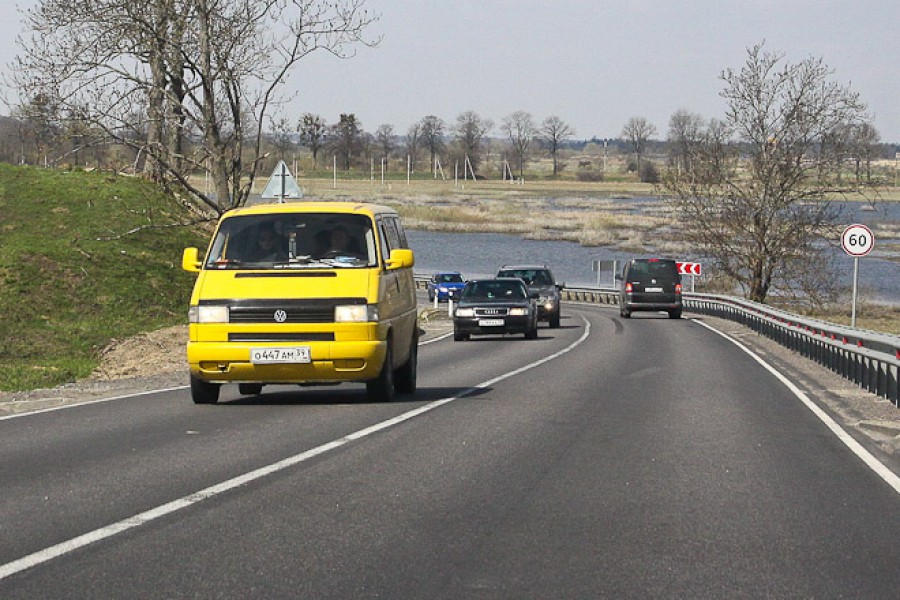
pixel 608 458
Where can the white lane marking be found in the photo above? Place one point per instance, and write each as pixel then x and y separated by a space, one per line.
pixel 42 556
pixel 873 463
pixel 436 339
pixel 87 402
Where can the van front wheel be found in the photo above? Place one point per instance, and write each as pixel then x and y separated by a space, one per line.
pixel 204 392
pixel 405 377
pixel 382 387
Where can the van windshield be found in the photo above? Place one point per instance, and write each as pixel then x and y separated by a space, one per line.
pixel 659 270
pixel 293 241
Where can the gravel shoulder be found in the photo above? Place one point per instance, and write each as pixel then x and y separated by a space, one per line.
pixel 155 361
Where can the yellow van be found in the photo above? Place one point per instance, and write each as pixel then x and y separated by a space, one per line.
pixel 307 293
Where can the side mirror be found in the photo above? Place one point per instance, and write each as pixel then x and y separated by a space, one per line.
pixel 190 260
pixel 618 277
pixel 400 258
pixel 561 286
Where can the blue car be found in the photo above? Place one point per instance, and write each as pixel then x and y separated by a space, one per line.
pixel 445 283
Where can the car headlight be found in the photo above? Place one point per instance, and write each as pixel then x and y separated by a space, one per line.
pixel 518 312
pixel 465 312
pixel 442 288
pixel 208 314
pixel 355 313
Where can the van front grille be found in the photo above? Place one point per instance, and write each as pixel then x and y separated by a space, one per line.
pixel 280 311
pixel 280 337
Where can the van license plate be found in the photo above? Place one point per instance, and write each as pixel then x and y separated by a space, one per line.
pixel 653 289
pixel 267 356
pixel 490 323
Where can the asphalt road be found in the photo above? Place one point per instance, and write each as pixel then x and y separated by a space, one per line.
pixel 644 458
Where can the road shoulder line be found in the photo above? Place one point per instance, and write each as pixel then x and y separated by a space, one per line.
pixel 867 457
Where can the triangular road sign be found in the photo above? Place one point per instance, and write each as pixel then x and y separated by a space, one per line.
pixel 282 184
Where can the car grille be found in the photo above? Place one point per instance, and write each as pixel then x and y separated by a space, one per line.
pixel 491 312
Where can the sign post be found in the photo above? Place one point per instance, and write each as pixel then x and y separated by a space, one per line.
pixel 857 240
pixel 599 266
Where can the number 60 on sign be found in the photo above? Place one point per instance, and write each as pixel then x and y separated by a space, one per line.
pixel 857 240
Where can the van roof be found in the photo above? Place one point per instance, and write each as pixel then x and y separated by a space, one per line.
pixel 311 207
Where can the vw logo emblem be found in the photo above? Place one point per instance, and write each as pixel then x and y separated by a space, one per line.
pixel 280 316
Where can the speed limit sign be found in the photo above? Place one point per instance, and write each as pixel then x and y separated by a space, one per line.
pixel 857 240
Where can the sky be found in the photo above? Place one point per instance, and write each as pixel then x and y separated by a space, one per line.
pixel 593 63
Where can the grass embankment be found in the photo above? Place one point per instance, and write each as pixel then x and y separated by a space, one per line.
pixel 84 258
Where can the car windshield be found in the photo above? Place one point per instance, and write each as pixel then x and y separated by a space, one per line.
pixel 449 278
pixel 529 276
pixel 494 290
pixel 293 241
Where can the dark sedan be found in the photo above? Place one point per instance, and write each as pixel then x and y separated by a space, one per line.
pixel 494 307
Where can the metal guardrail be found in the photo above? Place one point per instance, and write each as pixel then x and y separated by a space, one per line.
pixel 867 358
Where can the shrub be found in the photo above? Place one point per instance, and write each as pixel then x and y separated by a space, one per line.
pixel 589 175
pixel 649 173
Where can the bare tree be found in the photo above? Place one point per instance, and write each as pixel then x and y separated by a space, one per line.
pixel 384 137
pixel 39 124
pixel 431 131
pixel 281 137
pixel 520 130
pixel 865 147
pixel 313 129
pixel 413 141
pixel 213 67
pixel 765 219
pixel 636 133
pixel 686 132
pixel 346 139
pixel 554 133
pixel 470 132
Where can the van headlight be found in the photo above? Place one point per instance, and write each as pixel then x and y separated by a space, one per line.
pixel 355 313
pixel 208 314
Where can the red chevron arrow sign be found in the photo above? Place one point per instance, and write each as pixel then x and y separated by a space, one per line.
pixel 689 268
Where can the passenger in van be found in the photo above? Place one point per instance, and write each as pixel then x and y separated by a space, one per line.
pixel 269 245
pixel 341 243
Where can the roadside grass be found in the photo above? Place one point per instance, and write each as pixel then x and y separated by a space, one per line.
pixel 872 316
pixel 85 258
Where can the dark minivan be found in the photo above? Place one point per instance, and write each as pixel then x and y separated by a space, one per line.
pixel 650 284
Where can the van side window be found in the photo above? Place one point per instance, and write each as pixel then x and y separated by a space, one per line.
pixel 390 237
pixel 401 233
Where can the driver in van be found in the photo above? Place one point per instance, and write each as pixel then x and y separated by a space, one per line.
pixel 340 243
